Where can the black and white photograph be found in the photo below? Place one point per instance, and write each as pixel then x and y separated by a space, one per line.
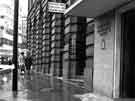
pixel 67 50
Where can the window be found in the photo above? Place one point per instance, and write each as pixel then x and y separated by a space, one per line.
pixel 1 16
pixel 0 42
pixel 2 27
pixel 9 31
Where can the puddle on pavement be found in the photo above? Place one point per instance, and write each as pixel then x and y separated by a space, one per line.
pixel 46 90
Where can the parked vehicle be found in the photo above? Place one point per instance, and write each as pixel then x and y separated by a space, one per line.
pixel 5 60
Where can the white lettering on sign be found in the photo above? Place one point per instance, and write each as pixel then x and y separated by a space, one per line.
pixel 56 7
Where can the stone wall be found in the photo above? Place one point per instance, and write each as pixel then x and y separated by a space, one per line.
pixel 104 54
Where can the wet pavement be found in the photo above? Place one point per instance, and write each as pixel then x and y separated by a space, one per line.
pixel 37 87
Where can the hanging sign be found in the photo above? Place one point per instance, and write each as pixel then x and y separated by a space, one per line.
pixel 56 7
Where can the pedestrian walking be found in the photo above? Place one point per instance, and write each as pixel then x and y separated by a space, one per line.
pixel 21 61
pixel 9 61
pixel 28 62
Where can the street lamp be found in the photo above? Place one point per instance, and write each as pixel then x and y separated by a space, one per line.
pixel 15 48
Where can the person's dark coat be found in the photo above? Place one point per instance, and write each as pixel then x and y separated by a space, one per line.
pixel 28 62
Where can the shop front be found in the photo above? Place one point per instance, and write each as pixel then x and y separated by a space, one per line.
pixel 114 45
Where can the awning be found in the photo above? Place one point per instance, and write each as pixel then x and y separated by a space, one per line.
pixel 93 8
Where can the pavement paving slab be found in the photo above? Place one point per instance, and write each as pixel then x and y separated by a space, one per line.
pixel 37 87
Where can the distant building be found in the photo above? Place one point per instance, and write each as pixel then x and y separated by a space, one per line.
pixel 6 30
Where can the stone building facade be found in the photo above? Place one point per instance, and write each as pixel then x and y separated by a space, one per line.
pixel 114 55
pixel 61 45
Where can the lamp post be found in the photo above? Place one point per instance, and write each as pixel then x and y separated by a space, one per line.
pixel 15 48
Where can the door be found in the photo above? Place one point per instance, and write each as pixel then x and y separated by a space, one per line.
pixel 127 86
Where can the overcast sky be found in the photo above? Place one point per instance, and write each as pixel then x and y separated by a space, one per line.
pixel 23 4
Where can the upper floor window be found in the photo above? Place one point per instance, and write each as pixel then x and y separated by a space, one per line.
pixel 1 16
pixel 2 27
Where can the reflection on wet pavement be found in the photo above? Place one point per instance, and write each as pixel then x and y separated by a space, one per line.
pixel 39 88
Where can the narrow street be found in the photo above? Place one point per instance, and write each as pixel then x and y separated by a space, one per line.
pixel 76 50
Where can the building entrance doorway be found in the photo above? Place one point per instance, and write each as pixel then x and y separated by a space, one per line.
pixel 127 83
